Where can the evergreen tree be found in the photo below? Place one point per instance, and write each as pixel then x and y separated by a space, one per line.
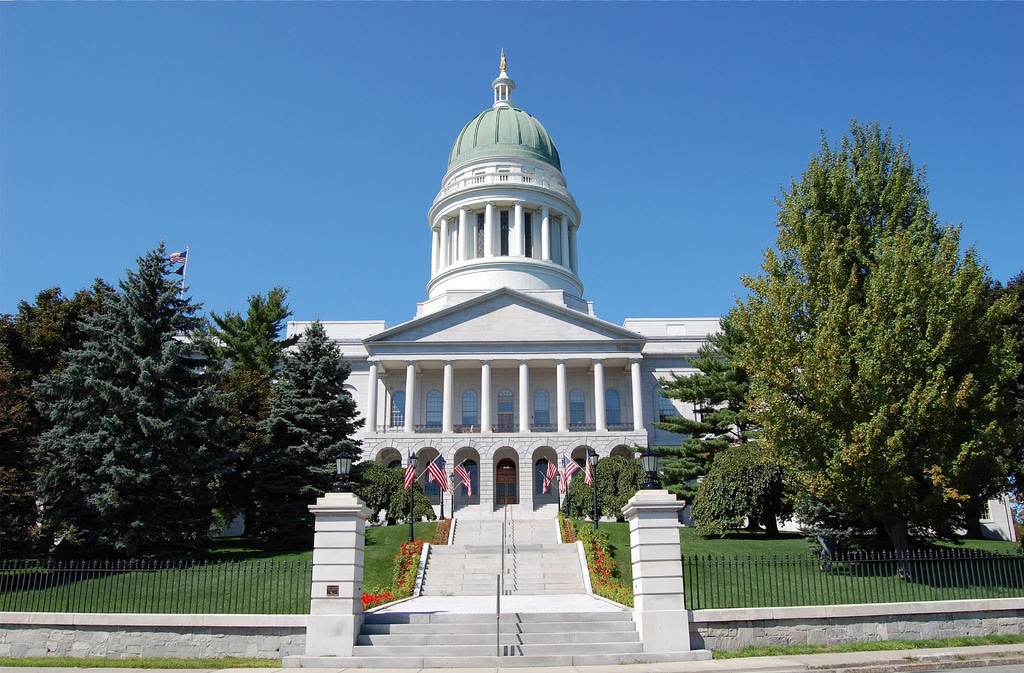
pixel 718 393
pixel 877 360
pixel 32 343
pixel 311 419
pixel 246 350
pixel 130 457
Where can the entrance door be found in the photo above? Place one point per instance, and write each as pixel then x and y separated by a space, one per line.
pixel 505 481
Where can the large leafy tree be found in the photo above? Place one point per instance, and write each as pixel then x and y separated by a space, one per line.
pixel 246 350
pixel 311 419
pixel 1014 290
pixel 131 454
pixel 718 393
pixel 876 359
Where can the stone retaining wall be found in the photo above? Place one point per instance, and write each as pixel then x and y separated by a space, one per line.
pixel 819 625
pixel 41 634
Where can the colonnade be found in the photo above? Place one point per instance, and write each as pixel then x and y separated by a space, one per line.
pixel 486 415
pixel 454 238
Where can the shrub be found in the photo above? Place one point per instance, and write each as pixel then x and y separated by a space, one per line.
pixel 441 534
pixel 603 576
pixel 407 563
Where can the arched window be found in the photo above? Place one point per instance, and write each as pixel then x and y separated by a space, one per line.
pixel 398 409
pixel 470 409
pixel 506 411
pixel 540 473
pixel 434 409
pixel 577 407
pixel 611 406
pixel 541 408
pixel 474 472
pixel 666 409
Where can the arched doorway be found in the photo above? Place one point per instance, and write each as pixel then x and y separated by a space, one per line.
pixel 506 492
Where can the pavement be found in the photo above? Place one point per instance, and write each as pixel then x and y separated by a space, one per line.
pixel 890 661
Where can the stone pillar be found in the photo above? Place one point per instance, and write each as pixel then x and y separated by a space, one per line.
pixel 485 396
pixel 335 604
pixel 371 399
pixel 410 396
pixel 443 256
pixel 638 395
pixel 520 227
pixel 524 396
pixel 562 396
pixel 435 245
pixel 564 248
pixel 489 225
pixel 545 234
pixel 658 606
pixel 600 415
pixel 465 239
pixel 446 405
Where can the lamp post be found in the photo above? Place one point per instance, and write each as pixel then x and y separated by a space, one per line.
pixel 412 491
pixel 592 459
pixel 649 459
pixel 343 464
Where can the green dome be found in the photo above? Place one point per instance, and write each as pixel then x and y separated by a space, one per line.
pixel 504 131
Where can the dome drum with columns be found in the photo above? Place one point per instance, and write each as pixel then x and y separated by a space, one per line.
pixel 505 366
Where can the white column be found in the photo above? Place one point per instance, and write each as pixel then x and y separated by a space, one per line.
pixel 485 396
pixel 435 243
pixel 638 396
pixel 465 239
pixel 545 234
pixel 574 262
pixel 443 257
pixel 524 396
pixel 371 399
pixel 489 230
pixel 446 405
pixel 520 226
pixel 600 418
pixel 410 396
pixel 562 397
pixel 564 233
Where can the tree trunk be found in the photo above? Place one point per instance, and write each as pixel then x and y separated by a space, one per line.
pixel 973 510
pixel 771 524
pixel 900 539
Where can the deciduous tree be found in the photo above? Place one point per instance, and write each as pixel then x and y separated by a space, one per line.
pixel 876 360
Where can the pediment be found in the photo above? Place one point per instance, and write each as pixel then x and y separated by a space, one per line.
pixel 505 317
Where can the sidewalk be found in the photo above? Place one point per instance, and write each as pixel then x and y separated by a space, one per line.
pixel 864 662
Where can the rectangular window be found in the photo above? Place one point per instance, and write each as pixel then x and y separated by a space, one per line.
pixel 480 219
pixel 528 223
pixel 504 233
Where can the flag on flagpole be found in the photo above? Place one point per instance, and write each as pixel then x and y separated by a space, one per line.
pixel 410 475
pixel 549 477
pixel 467 481
pixel 569 468
pixel 435 473
pixel 179 257
pixel 588 474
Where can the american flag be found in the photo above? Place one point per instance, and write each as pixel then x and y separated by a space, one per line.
pixel 435 473
pixel 549 477
pixel 467 481
pixel 178 257
pixel 410 475
pixel 569 468
pixel 588 474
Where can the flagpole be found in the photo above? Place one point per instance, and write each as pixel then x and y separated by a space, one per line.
pixel 184 270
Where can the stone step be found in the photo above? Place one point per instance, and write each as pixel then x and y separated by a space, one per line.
pixel 523 649
pixel 484 637
pixel 491 661
pixel 486 624
pixel 623 615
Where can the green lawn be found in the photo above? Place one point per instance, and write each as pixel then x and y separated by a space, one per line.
pixel 382 544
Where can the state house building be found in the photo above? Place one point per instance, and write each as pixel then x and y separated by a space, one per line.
pixel 505 365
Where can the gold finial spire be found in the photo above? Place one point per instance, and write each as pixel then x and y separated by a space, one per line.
pixel 504 63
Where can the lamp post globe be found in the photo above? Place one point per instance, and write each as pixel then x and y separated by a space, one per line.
pixel 650 461
pixel 343 466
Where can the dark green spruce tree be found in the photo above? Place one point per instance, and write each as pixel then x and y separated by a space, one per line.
pixel 131 455
pixel 718 393
pixel 311 419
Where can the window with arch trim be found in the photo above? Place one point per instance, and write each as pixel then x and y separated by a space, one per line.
pixel 577 407
pixel 666 409
pixel 612 412
pixel 434 409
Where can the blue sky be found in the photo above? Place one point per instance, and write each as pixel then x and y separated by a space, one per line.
pixel 301 144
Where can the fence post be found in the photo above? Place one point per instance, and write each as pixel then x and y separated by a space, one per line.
pixel 659 605
pixel 335 604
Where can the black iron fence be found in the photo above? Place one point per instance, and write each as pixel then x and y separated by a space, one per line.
pixel 778 581
pixel 181 587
